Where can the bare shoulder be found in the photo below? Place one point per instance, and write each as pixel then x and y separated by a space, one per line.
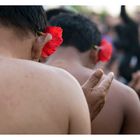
pixel 123 95
pixel 131 107
pixel 39 78
pixel 45 78
pixel 73 99
pixel 45 72
pixel 35 88
pixel 121 110
pixel 125 91
pixel 41 74
pixel 118 91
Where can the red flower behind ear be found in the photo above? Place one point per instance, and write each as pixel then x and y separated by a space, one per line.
pixel 105 52
pixel 51 46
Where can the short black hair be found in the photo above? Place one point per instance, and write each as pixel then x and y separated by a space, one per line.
pixel 25 18
pixel 78 31
pixel 56 11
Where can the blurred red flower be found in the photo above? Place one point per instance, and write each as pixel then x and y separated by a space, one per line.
pixel 105 52
pixel 51 46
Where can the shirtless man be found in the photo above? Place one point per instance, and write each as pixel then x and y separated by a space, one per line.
pixel 78 56
pixel 30 100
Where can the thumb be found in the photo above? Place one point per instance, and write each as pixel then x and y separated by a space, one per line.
pixel 106 83
pixel 94 79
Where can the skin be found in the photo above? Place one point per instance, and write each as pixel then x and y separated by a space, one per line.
pixel 31 102
pixel 135 82
pixel 95 95
pixel 96 91
pixel 121 111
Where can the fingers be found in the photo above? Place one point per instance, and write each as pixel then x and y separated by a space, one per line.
pixel 38 45
pixel 96 95
pixel 97 108
pixel 94 79
pixel 98 105
pixel 133 83
pixel 106 83
pixel 135 80
pixel 136 74
pixel 136 87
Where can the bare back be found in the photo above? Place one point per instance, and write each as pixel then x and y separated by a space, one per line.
pixel 121 112
pixel 38 99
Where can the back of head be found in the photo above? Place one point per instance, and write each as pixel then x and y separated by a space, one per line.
pixel 23 18
pixel 78 31
pixel 54 12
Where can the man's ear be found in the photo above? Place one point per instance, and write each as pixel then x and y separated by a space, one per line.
pixel 38 45
pixel 93 55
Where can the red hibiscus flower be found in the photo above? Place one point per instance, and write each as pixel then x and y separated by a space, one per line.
pixel 51 46
pixel 105 52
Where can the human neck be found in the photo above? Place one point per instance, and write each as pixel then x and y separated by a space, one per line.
pixel 11 46
pixel 72 61
pixel 67 55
